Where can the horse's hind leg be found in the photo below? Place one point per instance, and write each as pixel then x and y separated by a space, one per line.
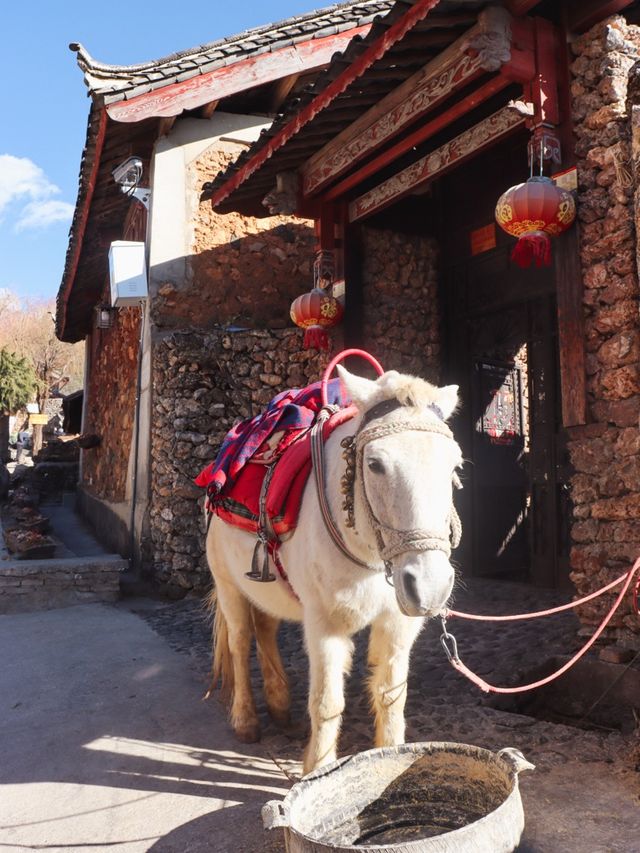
pixel 276 683
pixel 237 614
pixel 390 642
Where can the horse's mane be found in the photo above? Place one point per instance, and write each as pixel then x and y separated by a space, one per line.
pixel 410 391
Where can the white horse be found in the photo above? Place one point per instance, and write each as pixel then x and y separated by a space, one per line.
pixel 398 571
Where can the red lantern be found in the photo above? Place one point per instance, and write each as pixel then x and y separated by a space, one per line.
pixel 315 312
pixel 531 212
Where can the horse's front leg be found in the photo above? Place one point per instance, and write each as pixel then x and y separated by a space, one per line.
pixel 390 641
pixel 329 661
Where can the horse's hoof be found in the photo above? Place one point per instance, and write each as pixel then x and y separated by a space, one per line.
pixel 248 734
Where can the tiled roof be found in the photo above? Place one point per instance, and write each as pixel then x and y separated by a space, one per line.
pixel 113 83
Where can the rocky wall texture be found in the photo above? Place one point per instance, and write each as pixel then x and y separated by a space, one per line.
pixel 203 383
pixel 242 269
pixel 110 406
pixel 400 320
pixel 606 452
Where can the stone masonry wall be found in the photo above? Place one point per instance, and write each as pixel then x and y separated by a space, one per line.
pixel 400 311
pixel 111 404
pixel 203 383
pixel 606 452
pixel 242 269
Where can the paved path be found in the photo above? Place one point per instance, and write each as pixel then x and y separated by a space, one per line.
pixel 107 746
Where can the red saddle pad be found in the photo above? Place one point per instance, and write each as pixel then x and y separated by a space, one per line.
pixel 240 506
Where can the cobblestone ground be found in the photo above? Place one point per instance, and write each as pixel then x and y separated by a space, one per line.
pixel 442 705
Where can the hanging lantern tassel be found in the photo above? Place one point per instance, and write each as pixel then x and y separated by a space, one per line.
pixel 532 247
pixel 533 212
pixel 316 312
pixel 315 337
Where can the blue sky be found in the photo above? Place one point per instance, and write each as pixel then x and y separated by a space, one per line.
pixel 44 107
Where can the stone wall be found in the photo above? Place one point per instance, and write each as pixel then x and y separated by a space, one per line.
pixel 203 382
pixel 401 323
pixel 605 452
pixel 241 269
pixel 110 407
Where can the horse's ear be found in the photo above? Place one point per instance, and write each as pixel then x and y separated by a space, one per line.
pixel 360 390
pixel 447 400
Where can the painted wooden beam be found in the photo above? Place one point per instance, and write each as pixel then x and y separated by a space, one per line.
pixel 521 7
pixel 485 47
pixel 253 71
pixel 583 14
pixel 482 93
pixel 165 125
pixel 79 226
pixel 452 153
pixel 377 49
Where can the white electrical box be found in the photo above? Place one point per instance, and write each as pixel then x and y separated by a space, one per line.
pixel 127 273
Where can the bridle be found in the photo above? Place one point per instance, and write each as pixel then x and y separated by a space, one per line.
pixel 390 541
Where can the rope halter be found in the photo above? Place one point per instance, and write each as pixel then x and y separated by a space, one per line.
pixel 391 541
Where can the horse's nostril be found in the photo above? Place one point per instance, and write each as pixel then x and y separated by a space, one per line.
pixel 411 587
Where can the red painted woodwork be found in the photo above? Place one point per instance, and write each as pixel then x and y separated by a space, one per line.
pixel 462 62
pixel 452 153
pixel 80 226
pixel 375 51
pixel 544 90
pixel 253 71
pixel 421 135
pixel 521 7
pixel 583 14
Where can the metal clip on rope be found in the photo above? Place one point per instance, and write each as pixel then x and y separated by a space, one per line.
pixel 446 637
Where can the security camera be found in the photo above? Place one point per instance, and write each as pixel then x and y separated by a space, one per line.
pixel 128 173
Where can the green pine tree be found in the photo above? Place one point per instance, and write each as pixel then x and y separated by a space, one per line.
pixel 17 387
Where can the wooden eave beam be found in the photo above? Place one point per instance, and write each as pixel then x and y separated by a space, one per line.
pixel 207 110
pixel 378 47
pixel 519 8
pixel 281 91
pixel 470 102
pixel 583 14
pixel 437 162
pixel 165 125
pixel 486 47
pixel 237 77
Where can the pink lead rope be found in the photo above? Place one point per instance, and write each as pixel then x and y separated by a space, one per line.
pixel 452 653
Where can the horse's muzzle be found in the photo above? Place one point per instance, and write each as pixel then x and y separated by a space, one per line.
pixel 423 582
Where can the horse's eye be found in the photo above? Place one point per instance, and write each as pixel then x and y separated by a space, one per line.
pixel 375 466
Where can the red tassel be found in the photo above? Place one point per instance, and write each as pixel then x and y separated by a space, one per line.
pixel 315 337
pixel 535 246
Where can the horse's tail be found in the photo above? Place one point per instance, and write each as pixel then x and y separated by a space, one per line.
pixel 221 665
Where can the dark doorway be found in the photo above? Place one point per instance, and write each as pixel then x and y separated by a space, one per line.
pixel 500 335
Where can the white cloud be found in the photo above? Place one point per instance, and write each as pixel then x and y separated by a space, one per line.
pixel 23 183
pixel 40 214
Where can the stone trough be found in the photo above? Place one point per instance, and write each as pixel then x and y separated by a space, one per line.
pixel 414 798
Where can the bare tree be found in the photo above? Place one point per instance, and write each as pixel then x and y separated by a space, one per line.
pixel 28 329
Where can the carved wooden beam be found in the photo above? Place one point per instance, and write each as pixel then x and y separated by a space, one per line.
pixel 452 153
pixel 485 48
pixel 470 102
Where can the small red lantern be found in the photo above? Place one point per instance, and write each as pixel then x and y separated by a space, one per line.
pixel 315 312
pixel 531 212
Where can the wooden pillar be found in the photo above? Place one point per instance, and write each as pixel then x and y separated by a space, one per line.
pixel 568 272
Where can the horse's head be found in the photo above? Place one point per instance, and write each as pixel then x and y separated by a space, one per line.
pixel 404 468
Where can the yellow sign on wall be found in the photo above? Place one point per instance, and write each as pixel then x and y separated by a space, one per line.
pixel 34 420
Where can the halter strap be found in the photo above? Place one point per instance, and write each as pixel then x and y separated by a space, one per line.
pixel 397 541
